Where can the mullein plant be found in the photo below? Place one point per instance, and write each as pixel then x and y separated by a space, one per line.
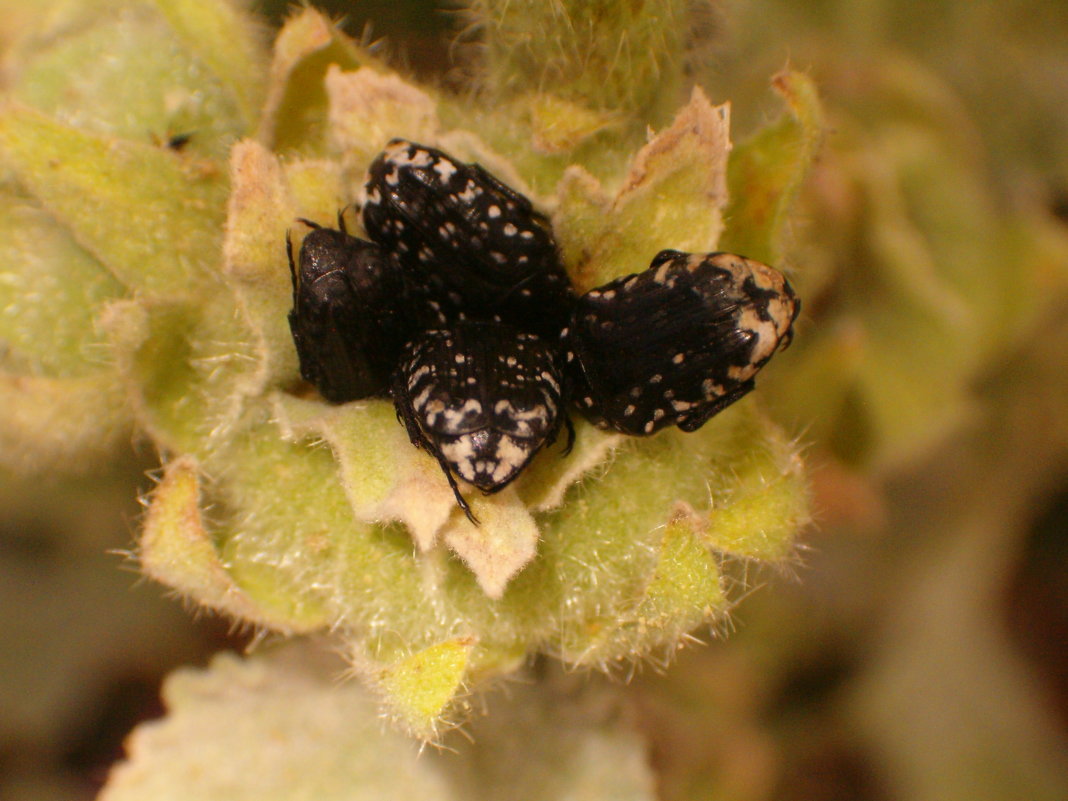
pixel 148 196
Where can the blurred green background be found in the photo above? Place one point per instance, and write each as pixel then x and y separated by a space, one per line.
pixel 918 648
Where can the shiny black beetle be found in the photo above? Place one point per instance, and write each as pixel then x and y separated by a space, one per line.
pixel 348 319
pixel 482 398
pixel 677 343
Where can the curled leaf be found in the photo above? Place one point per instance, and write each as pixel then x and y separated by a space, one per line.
pixel 176 549
pixel 672 197
pixel 368 108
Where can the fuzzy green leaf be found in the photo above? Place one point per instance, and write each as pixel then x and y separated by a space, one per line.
pixel 296 109
pixel 287 730
pixel 765 173
pixel 925 278
pixel 672 197
pixel 228 41
pixel 368 108
pixel 188 368
pixel 152 219
pixel 167 72
pixel 50 351
pixel 41 428
pixel 50 292
pixel 175 549
pixel 420 688
pixel 607 541
pixel 290 729
pixel 607 55
pixel 385 478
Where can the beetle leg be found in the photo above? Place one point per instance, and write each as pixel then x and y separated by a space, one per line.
pixel 694 422
pixel 570 433
pixel 402 405
pixel 292 268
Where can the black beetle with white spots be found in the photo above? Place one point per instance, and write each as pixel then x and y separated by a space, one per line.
pixel 482 397
pixel 677 343
pixel 460 308
pixel 464 239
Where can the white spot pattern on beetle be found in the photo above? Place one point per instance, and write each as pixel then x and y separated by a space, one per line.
pixel 678 343
pixel 486 430
pixel 476 239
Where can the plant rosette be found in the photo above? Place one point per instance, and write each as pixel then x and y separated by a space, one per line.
pixel 148 288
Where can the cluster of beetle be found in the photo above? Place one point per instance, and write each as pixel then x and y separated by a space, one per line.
pixel 460 309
